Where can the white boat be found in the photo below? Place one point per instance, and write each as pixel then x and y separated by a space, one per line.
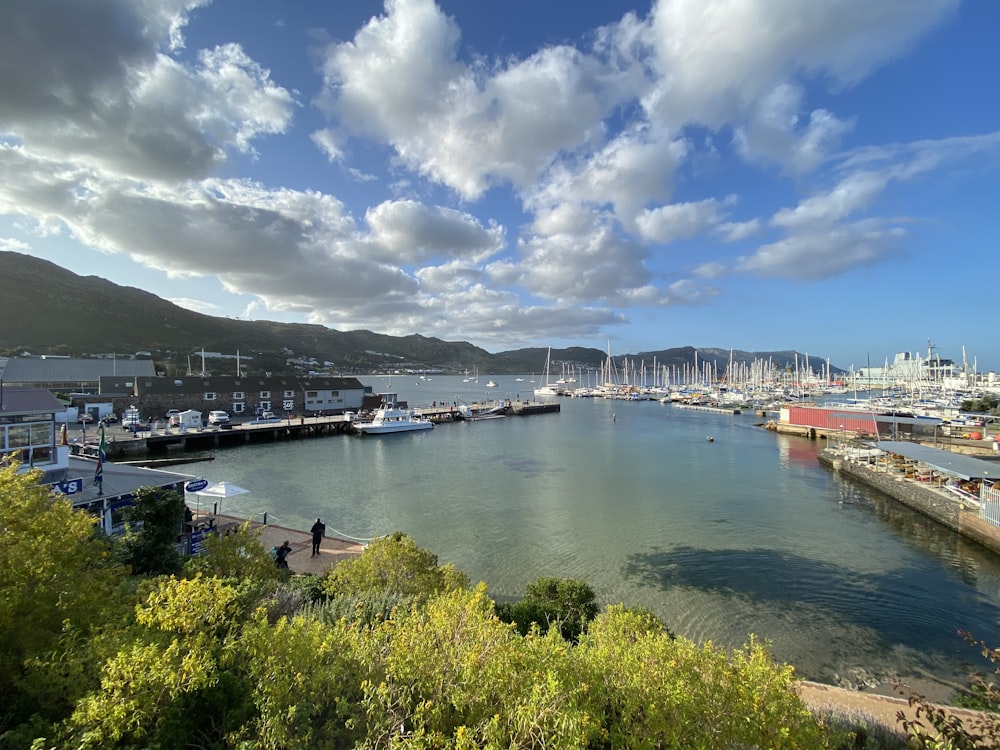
pixel 546 389
pixel 491 384
pixel 389 417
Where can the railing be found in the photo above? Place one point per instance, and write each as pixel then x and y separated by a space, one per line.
pixel 989 503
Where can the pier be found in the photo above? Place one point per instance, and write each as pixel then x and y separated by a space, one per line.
pixel 164 441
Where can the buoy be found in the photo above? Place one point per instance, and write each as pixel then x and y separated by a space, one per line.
pixel 710 439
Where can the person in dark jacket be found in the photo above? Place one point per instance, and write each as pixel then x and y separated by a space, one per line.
pixel 318 531
pixel 281 556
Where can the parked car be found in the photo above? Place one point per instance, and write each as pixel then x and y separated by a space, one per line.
pixel 109 418
pixel 268 415
pixel 85 417
pixel 218 417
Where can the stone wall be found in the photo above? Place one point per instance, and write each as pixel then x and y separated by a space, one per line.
pixel 948 511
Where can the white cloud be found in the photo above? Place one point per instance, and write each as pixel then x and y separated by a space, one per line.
pixel 9 244
pixel 115 139
pixel 715 58
pixel 103 93
pixel 680 220
pixel 465 126
pixel 734 231
pixel 196 305
pixel 410 232
pixel 775 132
pixel 812 257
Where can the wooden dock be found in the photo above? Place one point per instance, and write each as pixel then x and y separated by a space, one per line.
pixel 164 441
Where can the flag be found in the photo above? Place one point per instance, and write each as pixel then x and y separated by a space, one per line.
pixel 99 471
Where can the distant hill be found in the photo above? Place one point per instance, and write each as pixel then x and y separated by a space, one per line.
pixel 46 309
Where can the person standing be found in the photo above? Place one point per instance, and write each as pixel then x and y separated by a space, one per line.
pixel 318 531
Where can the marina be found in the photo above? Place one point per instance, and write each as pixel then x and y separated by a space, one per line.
pixel 748 533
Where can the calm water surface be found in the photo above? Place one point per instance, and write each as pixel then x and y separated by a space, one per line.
pixel 745 534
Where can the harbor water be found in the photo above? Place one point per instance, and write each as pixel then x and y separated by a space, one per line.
pixel 744 534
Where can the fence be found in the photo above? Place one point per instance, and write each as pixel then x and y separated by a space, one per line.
pixel 989 503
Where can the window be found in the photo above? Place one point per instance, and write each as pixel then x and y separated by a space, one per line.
pixel 265 394
pixel 209 396
pixel 288 404
pixel 239 408
pixel 311 394
pixel 238 395
pixel 289 394
pixel 264 406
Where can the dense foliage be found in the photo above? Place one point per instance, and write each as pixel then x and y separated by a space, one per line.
pixel 985 405
pixel 389 650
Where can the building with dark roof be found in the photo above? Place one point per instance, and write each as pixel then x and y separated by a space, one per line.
pixel 70 375
pixel 238 396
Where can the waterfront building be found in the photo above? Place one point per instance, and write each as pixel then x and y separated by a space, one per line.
pixel 238 396
pixel 70 375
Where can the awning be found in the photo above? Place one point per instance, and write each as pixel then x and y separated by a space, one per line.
pixel 962 466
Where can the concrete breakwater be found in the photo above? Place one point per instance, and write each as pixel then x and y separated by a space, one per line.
pixel 939 505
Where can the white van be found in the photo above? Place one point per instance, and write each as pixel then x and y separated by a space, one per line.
pixel 218 417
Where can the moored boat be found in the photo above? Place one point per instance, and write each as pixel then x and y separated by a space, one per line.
pixel 390 417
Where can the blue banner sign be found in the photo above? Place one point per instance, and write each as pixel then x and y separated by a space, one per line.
pixel 69 487
pixel 196 485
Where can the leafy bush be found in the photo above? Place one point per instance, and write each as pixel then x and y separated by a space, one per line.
pixel 568 603
pixel 395 564
pixel 948 731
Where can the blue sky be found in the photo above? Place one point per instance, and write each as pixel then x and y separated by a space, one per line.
pixel 749 174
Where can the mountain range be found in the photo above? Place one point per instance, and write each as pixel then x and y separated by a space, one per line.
pixel 47 309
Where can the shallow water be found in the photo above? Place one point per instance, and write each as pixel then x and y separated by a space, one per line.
pixel 745 534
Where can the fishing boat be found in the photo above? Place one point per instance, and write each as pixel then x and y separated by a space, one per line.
pixel 390 417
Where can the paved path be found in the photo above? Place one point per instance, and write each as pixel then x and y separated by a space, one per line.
pixel 301 559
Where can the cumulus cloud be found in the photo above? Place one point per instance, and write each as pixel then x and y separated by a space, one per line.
pixel 104 94
pixel 680 220
pixel 411 232
pixel 714 59
pixel 463 125
pixel 119 141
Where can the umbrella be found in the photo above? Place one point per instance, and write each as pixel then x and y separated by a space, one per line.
pixel 220 490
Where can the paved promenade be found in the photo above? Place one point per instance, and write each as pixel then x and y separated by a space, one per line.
pixel 300 560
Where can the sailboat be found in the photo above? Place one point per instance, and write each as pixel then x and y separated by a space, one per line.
pixel 546 389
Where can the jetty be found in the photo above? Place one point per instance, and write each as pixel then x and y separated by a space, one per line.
pixel 167 443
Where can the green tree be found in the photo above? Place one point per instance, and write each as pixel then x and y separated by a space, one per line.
pixel 177 679
pixel 395 564
pixel 568 603
pixel 238 555
pixel 152 525
pixel 652 690
pixel 56 587
pixel 452 675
